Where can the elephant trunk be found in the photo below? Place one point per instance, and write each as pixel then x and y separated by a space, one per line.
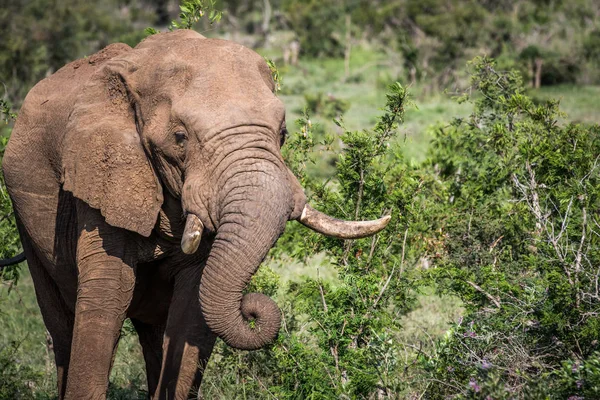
pixel 255 208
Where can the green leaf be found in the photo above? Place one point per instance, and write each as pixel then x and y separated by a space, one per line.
pixel 151 31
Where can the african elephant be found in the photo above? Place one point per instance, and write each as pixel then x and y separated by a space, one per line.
pixel 148 184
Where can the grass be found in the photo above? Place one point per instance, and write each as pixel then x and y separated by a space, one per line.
pixel 580 103
pixel 431 318
pixel 23 330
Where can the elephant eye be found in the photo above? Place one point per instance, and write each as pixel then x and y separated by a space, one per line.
pixel 180 137
pixel 283 134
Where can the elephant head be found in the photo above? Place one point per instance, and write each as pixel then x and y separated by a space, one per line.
pixel 198 118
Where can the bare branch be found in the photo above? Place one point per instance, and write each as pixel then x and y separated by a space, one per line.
pixel 489 296
pixel 392 273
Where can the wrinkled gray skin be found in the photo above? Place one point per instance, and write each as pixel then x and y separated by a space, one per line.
pixel 107 160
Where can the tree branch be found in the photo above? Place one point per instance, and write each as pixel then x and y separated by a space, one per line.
pixel 489 296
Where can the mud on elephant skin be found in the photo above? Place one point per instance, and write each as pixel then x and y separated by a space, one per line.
pixel 148 184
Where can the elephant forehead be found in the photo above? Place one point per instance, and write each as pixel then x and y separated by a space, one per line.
pixel 226 68
pixel 224 50
pixel 206 54
pixel 249 92
pixel 211 68
pixel 207 111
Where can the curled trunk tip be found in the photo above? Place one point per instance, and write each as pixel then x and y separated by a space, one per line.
pixel 254 327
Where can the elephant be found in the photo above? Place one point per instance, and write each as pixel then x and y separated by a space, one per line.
pixel 148 183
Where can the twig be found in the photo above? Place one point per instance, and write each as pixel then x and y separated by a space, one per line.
pixel 387 282
pixel 374 241
pixel 489 296
pixel 322 297
pixel 578 256
pixel 361 186
pixel 262 385
pixel 591 170
pixel 496 243
pixel 383 289
pixel 447 384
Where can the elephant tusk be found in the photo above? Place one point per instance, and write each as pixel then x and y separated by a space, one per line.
pixel 192 234
pixel 333 227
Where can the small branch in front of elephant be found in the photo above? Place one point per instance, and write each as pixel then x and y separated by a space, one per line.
pixel 275 74
pixel 334 354
pixel 332 347
pixel 361 187
pixel 384 288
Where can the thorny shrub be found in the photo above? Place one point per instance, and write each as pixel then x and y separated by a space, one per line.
pixel 515 194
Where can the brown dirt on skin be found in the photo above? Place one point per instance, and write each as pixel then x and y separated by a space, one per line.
pixel 106 53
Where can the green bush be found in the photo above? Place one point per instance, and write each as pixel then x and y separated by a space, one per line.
pixel 515 196
pixel 17 381
pixel 10 244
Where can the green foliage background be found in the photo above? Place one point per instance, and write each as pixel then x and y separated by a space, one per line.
pixel 484 284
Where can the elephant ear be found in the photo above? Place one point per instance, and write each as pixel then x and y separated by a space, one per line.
pixel 104 161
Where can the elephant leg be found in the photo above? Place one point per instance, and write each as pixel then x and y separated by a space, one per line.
pixel 106 279
pixel 151 339
pixel 58 318
pixel 188 341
